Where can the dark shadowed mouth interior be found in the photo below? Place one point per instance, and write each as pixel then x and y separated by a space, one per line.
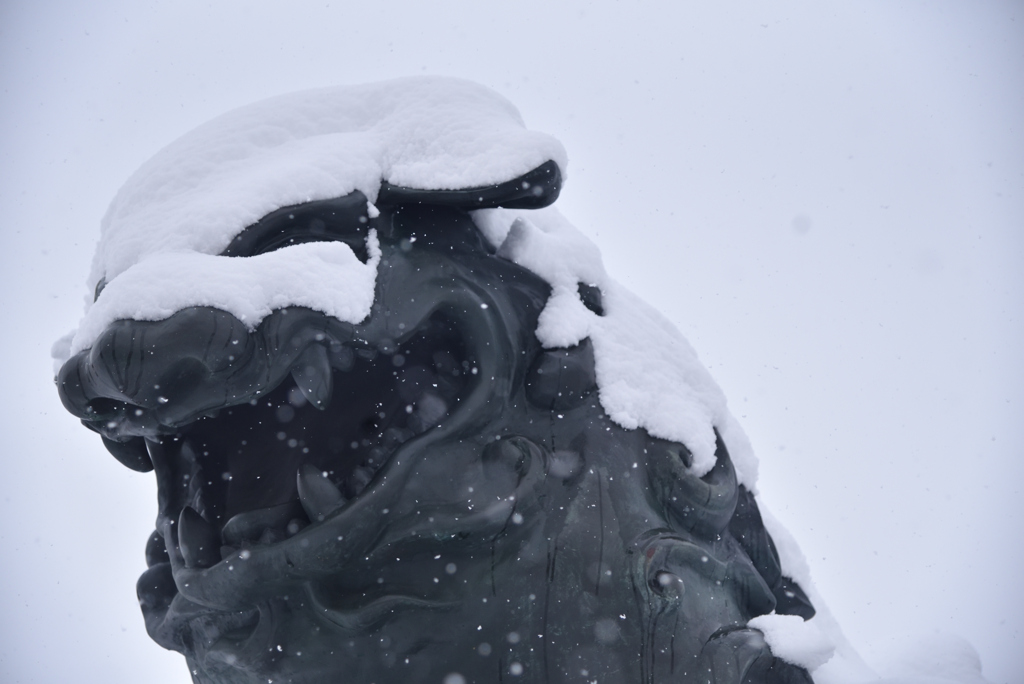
pixel 259 471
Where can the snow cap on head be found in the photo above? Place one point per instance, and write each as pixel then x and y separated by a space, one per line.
pixel 162 234
pixel 426 133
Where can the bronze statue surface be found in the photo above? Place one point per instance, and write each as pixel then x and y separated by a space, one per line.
pixel 428 492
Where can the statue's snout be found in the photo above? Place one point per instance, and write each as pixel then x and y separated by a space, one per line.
pixel 140 376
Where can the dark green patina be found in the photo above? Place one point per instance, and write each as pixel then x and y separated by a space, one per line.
pixel 427 496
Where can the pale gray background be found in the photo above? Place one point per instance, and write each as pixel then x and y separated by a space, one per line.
pixel 827 199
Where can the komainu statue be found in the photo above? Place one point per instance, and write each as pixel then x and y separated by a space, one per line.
pixel 404 427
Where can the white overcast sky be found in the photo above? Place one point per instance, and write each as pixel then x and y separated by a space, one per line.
pixel 826 198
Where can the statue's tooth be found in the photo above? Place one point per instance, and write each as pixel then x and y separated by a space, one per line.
pixel 360 478
pixel 197 539
pixel 162 452
pixel 318 494
pixel 312 374
pixel 161 449
pixel 249 526
pixel 131 453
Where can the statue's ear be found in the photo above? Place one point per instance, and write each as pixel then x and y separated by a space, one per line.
pixel 533 190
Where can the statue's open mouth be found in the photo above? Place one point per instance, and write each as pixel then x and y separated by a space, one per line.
pixel 281 452
pixel 242 475
pixel 249 465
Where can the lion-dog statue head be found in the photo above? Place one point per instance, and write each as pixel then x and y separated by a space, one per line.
pixel 417 490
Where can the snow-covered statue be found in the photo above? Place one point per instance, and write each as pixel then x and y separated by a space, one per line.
pixel 404 427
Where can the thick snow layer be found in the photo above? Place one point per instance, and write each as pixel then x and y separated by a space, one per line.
pixel 423 132
pixel 648 374
pixel 795 640
pixel 325 276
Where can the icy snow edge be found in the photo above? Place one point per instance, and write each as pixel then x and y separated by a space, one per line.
pixel 324 276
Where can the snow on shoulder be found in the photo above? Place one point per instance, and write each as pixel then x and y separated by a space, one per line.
pixel 648 375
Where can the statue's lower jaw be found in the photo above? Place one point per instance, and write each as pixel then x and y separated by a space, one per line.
pixel 478 569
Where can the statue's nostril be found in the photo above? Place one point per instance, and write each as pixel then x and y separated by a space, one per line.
pixel 102 408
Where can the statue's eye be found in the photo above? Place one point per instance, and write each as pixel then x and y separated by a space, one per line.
pixel 344 219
